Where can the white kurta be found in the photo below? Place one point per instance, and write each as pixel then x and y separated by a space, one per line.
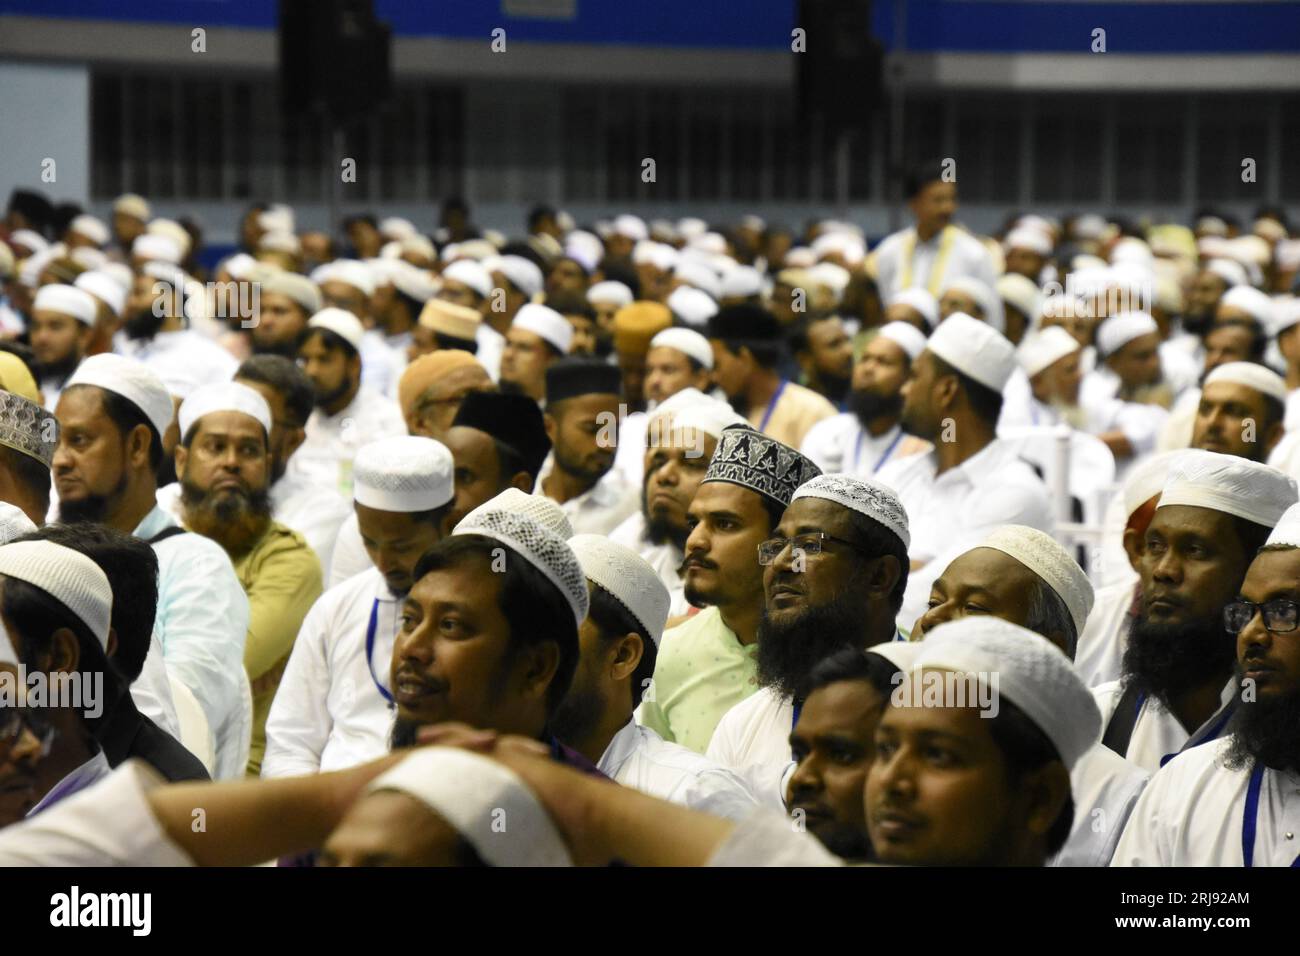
pixel 315 513
pixel 1105 788
pixel 1099 658
pixel 328 713
pixel 665 558
pixel 380 368
pixel 1157 735
pixel 109 824
pixel 1193 811
pixel 765 838
pixel 841 445
pixel 152 692
pixel 491 346
pixel 966 257
pixel 629 459
pixel 324 459
pixel 348 556
pixel 202 359
pixel 602 507
pixel 639 758
pixel 753 739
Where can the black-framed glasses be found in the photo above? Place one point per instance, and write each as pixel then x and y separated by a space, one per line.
pixel 1280 616
pixel 12 722
pixel 807 544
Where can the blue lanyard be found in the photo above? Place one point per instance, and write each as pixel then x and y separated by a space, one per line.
pixel 370 650
pixel 771 406
pixel 857 451
pixel 1250 816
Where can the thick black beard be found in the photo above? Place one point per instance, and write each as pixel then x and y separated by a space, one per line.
pixel 143 324
pixel 847 842
pixel 92 508
pixel 569 467
pixel 403 734
pixel 1198 323
pixel 577 715
pixel 1163 661
pixel 59 370
pixel 788 652
pixel 333 395
pixel 287 349
pixel 868 406
pixel 834 387
pixel 1265 731
pixel 507 387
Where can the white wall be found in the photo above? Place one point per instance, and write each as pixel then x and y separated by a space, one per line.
pixel 45 114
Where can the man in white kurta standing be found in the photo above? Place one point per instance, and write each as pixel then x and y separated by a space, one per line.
pixel 1236 801
pixel 333 708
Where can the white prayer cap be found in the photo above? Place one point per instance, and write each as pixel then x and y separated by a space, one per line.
pixel 1146 479
pixel 544 321
pixel 1212 226
pixel 405 473
pixel 1254 303
pixel 421 246
pixel 522 273
pixel 540 547
pixel 470 273
pixel 902 654
pixel 906 336
pixel 1252 375
pixel 223 397
pixel 1043 555
pixel 1286 313
pixel 713 242
pixel 629 226
pixel 800 257
pixel 974 348
pixel 411 281
pixel 66 575
pixel 30 272
pixel 493 237
pixel 1089 226
pixel 846 244
pixel 1020 292
pixel 1270 230
pixel 1287 530
pixel 276 219
pixel 686 341
pixel 66 300
pixel 280 242
pixel 663 257
pixel 691 305
pixel 132 205
pixel 87 257
pixel 133 380
pixel 14 522
pixel 103 286
pixel 29 239
pixel 626 576
pixel 1037 223
pixel 1032 673
pixel 985 297
pixel 1044 348
pixel 741 282
pixel 701 414
pixel 1169 294
pixel 700 276
pixel 90 227
pixel 296 287
pixel 1131 249
pixel 537 508
pixel 1250 249
pixel 920 300
pixel 1119 330
pixel 153 247
pixel 643 253
pixel 351 272
pixel 1033 240
pixel 756 223
pixel 1227 270
pixel 242 266
pixel 689 227
pixel 173 230
pixel 1227 483
pixel 869 497
pixel 584 248
pixel 395 227
pixel 342 323
pixel 609 291
pixel 119 272
pixel 662 230
pixel 472 793
pixel 836 278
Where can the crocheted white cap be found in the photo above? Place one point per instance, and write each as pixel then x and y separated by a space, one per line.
pixel 104 287
pixel 1043 349
pixel 693 306
pixel 538 508
pixel 920 300
pixel 1042 554
pixel 1227 483
pixel 907 337
pixel 1031 672
pixel 66 575
pixel 974 348
pixel 540 547
pixel 626 576
pixel 223 397
pixel 877 501
pixel 1119 330
pixel 66 300
pixel 472 793
pixel 14 522
pixel 342 323
pixel 470 273
pixel 405 473
pixel 610 291
pixel 546 323
pixel 1287 530
pixel 133 380
pixel 1252 375
pixel 686 341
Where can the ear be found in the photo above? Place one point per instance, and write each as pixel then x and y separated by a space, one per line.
pixel 111 650
pixel 552 427
pixel 181 455
pixel 945 391
pixel 540 664
pixel 137 446
pixel 1046 791
pixel 627 655
pixel 523 481
pixel 1133 547
pixel 885 573
pixel 65 652
pixel 293 439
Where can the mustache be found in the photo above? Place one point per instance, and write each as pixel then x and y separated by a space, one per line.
pixel 697 561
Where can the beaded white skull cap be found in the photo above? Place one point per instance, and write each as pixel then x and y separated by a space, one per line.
pixel 626 576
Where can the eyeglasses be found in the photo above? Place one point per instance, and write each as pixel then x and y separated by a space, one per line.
pixel 12 722
pixel 1280 616
pixel 807 544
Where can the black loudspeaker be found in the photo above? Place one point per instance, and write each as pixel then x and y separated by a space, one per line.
pixel 334 57
pixel 840 74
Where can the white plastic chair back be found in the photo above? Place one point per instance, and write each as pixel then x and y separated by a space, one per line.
pixel 1091 470
pixel 196 737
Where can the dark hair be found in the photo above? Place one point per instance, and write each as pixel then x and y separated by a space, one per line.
pixel 921 175
pixel 774 509
pixel 288 380
pixel 413 305
pixel 1251 535
pixel 126 415
pixel 524 251
pixel 1047 614
pixel 617 272
pixel 510 462
pixel 131 567
pixel 854 664
pixel 365 217
pixel 31 474
pixel 1026 748
pixel 1258 337
pixel 537 214
pixel 330 339
pixel 984 401
pixel 613 619
pixel 533 607
pixel 444 341
pixel 877 540
pixel 569 304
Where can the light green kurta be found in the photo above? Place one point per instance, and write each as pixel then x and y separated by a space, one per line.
pixel 702 672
